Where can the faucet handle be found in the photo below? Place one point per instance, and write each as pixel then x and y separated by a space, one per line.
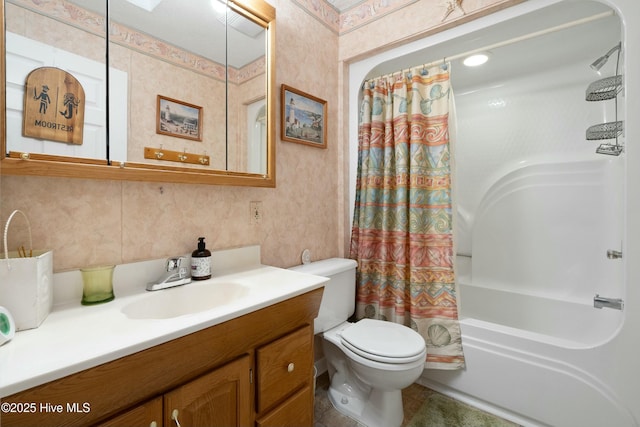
pixel 174 263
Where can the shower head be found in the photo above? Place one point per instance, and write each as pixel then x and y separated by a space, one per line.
pixel 599 63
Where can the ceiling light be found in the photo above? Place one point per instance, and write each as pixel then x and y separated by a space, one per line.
pixel 219 7
pixel 476 59
pixel 147 5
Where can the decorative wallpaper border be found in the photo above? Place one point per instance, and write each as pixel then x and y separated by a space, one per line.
pixel 93 23
pixel 368 11
pixel 355 17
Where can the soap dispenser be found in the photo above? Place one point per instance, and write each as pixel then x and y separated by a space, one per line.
pixel 201 262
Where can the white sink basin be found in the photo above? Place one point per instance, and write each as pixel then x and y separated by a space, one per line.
pixel 182 300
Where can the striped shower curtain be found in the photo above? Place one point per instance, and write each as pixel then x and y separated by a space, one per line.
pixel 402 229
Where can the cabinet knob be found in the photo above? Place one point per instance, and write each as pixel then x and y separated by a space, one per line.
pixel 291 367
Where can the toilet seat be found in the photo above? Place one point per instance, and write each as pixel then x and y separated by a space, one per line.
pixel 385 342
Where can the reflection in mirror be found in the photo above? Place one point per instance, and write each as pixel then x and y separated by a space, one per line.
pixel 63 106
pixel 193 68
pixel 247 79
pixel 166 98
pixel 174 50
pixel 170 91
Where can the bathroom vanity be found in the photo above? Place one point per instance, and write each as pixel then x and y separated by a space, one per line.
pixel 245 362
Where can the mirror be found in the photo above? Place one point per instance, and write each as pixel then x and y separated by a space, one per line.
pixel 190 88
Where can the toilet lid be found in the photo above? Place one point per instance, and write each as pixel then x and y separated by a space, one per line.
pixel 384 341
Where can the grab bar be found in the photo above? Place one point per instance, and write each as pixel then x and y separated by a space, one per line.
pixel 616 303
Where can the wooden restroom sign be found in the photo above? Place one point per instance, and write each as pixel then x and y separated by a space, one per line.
pixel 53 106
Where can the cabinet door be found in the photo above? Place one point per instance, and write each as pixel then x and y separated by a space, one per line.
pixel 297 411
pixel 220 398
pixel 149 414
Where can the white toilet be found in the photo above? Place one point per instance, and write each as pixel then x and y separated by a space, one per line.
pixel 370 361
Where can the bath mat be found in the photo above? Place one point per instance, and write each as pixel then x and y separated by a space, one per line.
pixel 439 410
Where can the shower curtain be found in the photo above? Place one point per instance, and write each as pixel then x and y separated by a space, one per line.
pixel 402 228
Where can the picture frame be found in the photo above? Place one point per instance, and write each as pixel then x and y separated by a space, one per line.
pixel 178 118
pixel 304 118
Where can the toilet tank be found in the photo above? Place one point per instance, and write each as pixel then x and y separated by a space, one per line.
pixel 339 297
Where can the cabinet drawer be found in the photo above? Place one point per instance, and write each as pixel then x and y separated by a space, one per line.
pixel 295 412
pixel 283 366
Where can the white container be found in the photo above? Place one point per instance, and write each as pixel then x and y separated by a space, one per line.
pixel 26 280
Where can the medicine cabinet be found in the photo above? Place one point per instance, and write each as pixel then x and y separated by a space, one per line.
pixel 142 90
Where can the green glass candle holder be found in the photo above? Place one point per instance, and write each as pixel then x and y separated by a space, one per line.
pixel 97 285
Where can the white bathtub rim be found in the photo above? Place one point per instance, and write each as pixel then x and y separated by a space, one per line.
pixel 539 337
pixel 534 360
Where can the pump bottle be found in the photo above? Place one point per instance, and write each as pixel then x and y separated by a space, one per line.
pixel 201 262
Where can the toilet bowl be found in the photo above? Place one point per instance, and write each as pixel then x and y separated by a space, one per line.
pixel 369 361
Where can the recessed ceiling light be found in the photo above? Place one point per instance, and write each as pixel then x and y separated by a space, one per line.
pixel 476 59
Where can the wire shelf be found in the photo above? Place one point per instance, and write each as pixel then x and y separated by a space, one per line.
pixel 605 131
pixel 603 89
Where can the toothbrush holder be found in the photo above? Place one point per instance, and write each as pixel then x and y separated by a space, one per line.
pixel 97 285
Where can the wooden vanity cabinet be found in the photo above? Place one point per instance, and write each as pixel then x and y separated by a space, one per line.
pixel 295 411
pixel 253 370
pixel 219 398
pixel 148 414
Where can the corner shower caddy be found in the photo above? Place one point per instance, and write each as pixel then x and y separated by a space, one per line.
pixel 601 90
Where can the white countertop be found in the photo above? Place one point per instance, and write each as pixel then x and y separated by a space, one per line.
pixel 75 337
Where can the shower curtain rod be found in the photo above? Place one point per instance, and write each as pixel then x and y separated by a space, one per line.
pixel 504 43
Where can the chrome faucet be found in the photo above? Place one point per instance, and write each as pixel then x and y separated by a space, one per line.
pixel 616 303
pixel 177 273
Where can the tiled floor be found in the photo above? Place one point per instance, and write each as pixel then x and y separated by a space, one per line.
pixel 422 408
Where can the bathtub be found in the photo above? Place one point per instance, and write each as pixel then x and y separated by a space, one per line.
pixel 530 333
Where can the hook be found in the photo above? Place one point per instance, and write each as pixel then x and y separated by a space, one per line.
pixel 183 156
pixel 204 159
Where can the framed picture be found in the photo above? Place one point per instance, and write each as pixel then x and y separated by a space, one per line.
pixel 179 119
pixel 304 118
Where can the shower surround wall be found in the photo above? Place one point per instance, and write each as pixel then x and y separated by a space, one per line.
pixel 537 351
pixel 537 207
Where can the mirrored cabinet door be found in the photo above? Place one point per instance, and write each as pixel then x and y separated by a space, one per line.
pixel 247 94
pixel 168 78
pixel 56 80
